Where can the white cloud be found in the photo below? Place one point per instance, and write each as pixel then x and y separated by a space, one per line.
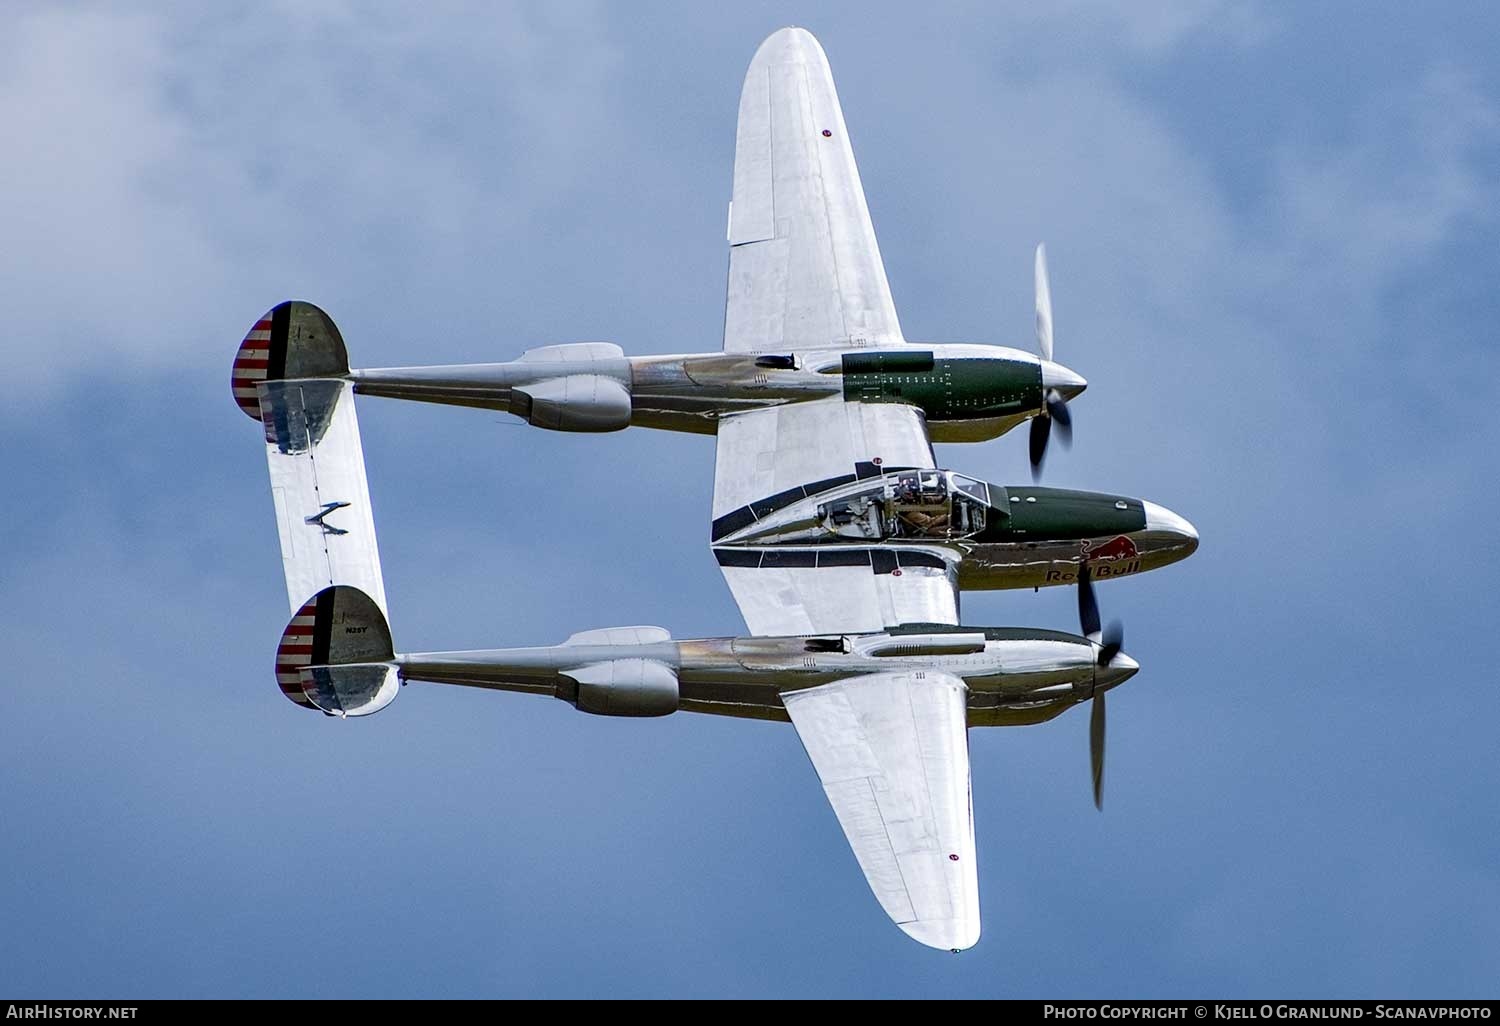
pixel 165 168
pixel 1348 219
pixel 1258 323
pixel 92 233
pixel 171 166
pixel 1154 28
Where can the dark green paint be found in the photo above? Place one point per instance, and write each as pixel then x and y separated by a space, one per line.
pixel 887 363
pixel 1058 513
pixel 972 389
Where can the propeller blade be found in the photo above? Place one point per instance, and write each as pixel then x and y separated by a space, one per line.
pixel 1088 606
pixel 1043 305
pixel 1111 643
pixel 1096 749
pixel 1057 409
pixel 1041 427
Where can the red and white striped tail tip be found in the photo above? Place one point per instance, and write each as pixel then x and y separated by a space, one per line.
pixel 291 340
pixel 250 367
pixel 336 655
pixel 296 652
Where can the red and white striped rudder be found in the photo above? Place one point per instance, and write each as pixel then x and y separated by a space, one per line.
pixel 292 340
pixel 336 655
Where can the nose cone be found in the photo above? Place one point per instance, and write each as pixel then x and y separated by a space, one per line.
pixel 1120 669
pixel 1161 520
pixel 1055 375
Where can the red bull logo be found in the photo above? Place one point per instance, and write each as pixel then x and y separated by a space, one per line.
pixel 1120 548
pixel 1115 558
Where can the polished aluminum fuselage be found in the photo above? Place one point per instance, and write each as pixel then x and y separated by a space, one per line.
pixel 1049 564
pixel 681 392
pixel 1023 677
pixel 1123 536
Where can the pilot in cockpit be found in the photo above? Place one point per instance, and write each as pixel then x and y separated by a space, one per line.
pixel 912 490
pixel 926 522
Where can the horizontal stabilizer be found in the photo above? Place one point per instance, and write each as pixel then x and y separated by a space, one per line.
pixel 292 340
pixel 336 655
pixel 317 465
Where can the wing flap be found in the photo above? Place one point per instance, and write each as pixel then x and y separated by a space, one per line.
pixel 752 214
pixel 891 750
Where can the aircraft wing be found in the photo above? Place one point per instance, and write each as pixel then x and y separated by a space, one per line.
pixel 767 452
pixel 772 456
pixel 804 267
pixel 892 752
pixel 841 591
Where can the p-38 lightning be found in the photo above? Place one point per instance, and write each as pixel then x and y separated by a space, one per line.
pixel 844 544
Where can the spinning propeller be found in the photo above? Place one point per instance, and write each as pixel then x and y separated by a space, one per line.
pixel 1054 378
pixel 1110 641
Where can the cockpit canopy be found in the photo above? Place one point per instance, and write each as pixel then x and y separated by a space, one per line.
pixel 911 504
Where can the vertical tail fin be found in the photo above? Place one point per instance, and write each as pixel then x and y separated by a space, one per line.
pixel 291 340
pixel 336 655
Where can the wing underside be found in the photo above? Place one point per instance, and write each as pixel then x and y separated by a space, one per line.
pixel 805 272
pixel 804 268
pixel 763 453
pixel 892 752
pixel 790 592
pixel 770 456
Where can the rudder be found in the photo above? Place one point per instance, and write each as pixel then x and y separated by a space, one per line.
pixel 336 654
pixel 291 340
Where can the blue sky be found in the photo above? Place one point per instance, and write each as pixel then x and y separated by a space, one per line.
pixel 1272 232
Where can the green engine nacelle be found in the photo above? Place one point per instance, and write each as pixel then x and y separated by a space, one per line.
pixel 945 389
